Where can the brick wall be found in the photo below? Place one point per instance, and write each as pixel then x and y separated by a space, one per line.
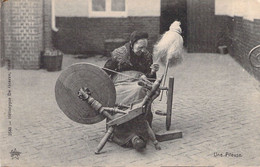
pixel 23 33
pixel 244 35
pixel 82 34
pixel 7 31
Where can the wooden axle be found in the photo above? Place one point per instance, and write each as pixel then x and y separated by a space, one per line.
pixel 93 103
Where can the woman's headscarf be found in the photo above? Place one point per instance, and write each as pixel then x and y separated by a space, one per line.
pixel 136 35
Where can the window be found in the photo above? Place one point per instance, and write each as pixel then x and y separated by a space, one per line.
pixel 107 8
pixel 118 5
pixel 98 5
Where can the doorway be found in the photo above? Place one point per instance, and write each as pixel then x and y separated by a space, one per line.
pixel 172 10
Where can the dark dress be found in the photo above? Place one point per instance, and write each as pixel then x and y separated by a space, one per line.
pixel 125 61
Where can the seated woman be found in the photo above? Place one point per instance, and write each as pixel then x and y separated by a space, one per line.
pixel 133 60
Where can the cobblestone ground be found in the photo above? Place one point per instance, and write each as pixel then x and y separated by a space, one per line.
pixel 216 106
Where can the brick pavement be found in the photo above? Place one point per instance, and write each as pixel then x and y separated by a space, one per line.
pixel 216 106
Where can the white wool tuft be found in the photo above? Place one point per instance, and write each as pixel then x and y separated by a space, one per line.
pixel 175 26
pixel 170 46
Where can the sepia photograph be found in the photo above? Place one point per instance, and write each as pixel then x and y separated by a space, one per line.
pixel 129 83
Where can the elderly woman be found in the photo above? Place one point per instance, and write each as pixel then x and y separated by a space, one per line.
pixel 135 61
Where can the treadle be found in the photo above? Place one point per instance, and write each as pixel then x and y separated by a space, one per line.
pixel 165 135
pixel 161 113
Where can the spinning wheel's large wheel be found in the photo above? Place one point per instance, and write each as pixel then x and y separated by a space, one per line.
pixel 78 76
pixel 254 56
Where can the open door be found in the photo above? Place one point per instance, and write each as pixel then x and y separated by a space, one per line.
pixel 172 10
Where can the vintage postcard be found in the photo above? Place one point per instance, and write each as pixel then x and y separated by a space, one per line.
pixel 130 83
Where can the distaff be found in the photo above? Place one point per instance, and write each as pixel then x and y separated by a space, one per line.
pixel 168 50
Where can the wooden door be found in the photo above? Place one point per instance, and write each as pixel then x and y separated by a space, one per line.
pixel 201 29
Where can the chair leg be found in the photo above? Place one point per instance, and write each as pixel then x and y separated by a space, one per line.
pixel 104 140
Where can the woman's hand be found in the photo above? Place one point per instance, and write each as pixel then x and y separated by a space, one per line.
pixel 154 67
pixel 144 78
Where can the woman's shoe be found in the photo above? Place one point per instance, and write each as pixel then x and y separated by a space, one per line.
pixel 138 143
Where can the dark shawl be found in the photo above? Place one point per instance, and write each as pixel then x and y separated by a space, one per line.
pixel 124 59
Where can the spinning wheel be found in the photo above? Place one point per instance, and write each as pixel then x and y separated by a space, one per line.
pixel 86 94
pixel 98 84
